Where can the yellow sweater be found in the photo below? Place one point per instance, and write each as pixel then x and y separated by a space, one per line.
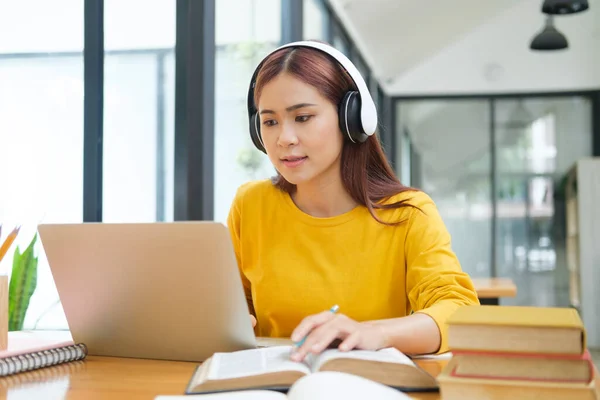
pixel 293 265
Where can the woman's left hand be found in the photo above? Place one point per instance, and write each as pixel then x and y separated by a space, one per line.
pixel 322 329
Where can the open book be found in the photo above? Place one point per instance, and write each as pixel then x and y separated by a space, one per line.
pixel 271 368
pixel 318 386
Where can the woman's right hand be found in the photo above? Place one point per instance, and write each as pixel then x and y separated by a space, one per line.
pixel 253 320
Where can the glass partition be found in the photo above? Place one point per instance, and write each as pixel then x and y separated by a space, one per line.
pixel 537 140
pixel 452 142
pixel 504 204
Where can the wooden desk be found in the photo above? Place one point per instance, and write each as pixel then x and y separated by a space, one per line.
pixel 490 290
pixel 122 378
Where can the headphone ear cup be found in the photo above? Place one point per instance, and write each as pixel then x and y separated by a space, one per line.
pixel 349 118
pixel 255 133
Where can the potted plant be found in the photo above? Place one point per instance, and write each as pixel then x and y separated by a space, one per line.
pixel 23 282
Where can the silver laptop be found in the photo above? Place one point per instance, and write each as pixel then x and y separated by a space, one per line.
pixel 168 291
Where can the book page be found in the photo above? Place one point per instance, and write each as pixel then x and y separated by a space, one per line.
pixel 443 356
pixel 253 362
pixel 390 355
pixel 338 385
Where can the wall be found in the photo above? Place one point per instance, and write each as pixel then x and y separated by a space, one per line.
pixel 495 58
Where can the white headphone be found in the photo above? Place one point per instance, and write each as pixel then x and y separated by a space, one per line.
pixel 357 112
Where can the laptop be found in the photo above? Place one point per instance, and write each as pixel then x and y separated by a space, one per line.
pixel 166 290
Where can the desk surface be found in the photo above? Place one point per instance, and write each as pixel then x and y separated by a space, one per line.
pixel 128 378
pixel 123 378
pixel 494 287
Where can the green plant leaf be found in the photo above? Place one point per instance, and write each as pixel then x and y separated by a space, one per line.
pixel 23 282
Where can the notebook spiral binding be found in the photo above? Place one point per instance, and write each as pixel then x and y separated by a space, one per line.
pixel 41 359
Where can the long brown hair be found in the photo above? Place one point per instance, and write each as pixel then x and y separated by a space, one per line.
pixel 365 171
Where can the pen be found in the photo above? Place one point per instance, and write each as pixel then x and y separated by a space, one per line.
pixel 332 310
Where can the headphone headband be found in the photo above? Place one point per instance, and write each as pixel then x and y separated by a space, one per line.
pixel 368 112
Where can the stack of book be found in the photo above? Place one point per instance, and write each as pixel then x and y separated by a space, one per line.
pixel 501 352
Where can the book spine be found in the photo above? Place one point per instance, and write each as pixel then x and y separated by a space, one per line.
pixel 539 355
pixel 41 359
pixel 588 361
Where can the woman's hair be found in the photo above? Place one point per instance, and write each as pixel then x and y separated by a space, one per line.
pixel 365 171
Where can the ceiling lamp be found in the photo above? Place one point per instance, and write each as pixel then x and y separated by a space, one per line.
pixel 549 38
pixel 559 7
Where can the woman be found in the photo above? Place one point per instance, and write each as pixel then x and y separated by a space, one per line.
pixel 335 226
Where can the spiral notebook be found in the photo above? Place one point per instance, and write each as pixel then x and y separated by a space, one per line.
pixel 31 350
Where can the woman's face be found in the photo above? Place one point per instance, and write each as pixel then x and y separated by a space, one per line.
pixel 300 131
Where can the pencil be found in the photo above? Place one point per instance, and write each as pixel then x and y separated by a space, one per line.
pixel 8 242
pixel 332 310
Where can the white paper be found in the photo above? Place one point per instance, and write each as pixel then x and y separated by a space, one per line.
pixel 241 395
pixel 443 356
pixel 253 362
pixel 337 385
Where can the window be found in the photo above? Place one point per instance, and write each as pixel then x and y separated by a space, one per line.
pixel 41 131
pixel 362 67
pixel 139 85
pixel 41 102
pixel 315 20
pixel 377 94
pixel 340 41
pixel 405 158
pixel 445 150
pixel 245 33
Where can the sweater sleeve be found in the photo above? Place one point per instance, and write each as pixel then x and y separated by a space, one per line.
pixel 234 225
pixel 435 282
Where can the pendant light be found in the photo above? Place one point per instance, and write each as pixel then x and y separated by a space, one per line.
pixel 549 38
pixel 561 7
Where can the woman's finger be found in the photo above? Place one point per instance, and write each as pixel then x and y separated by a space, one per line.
pixel 309 323
pixel 351 341
pixel 253 320
pixel 323 336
